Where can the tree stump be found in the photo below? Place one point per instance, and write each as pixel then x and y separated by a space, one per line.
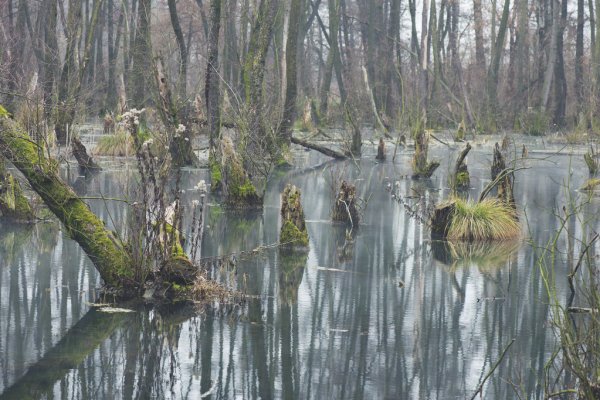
pixel 345 208
pixel 85 161
pixel 422 168
pixel 293 228
pixel 505 186
pixel 381 150
pixel 441 219
pixel 235 183
pixel 462 179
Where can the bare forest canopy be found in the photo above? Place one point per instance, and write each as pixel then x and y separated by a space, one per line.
pixel 529 65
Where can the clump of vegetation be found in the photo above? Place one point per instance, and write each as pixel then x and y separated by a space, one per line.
pixel 293 230
pixel 591 184
pixel 118 145
pixel 489 219
pixel 215 174
pixel 591 160
pixel 534 122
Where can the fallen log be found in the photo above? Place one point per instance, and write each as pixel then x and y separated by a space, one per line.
pixel 324 150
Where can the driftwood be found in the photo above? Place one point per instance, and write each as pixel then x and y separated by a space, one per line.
pixel 85 161
pixel 324 150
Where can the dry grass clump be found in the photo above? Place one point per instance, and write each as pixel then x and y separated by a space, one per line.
pixel 490 219
pixel 117 145
pixel 591 184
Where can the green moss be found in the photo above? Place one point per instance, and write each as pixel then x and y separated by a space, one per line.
pixel 291 234
pixel 3 112
pixel 463 180
pixel 215 175
pixel 105 250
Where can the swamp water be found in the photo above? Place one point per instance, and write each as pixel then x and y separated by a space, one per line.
pixel 390 316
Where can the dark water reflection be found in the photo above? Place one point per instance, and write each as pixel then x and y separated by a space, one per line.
pixel 391 315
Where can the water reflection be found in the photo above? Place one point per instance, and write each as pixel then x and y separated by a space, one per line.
pixel 388 314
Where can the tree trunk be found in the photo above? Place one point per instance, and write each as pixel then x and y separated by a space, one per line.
pixel 105 250
pixel 579 57
pixel 211 87
pixel 142 55
pixel 291 70
pixel 183 54
pixel 14 206
pixel 479 44
pixel 494 70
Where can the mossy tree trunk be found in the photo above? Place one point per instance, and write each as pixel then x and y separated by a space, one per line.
pixel 461 172
pixel 254 66
pixel 180 145
pixel 141 55
pixel 422 168
pixel 291 85
pixel 293 228
pixel 14 206
pixel 211 89
pixel 105 250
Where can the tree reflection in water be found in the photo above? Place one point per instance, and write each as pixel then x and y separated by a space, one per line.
pixel 392 316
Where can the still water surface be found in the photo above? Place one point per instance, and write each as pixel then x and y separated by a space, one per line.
pixel 392 315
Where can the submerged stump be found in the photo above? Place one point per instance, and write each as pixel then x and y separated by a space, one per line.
pixel 505 184
pixel 380 150
pixel 238 188
pixel 293 228
pixel 345 208
pixel 422 167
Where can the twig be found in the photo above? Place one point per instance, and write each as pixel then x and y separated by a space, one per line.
pixel 480 388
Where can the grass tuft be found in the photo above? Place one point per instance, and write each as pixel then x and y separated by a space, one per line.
pixel 490 219
pixel 117 145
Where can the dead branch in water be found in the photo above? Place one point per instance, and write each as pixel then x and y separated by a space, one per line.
pixel 324 150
